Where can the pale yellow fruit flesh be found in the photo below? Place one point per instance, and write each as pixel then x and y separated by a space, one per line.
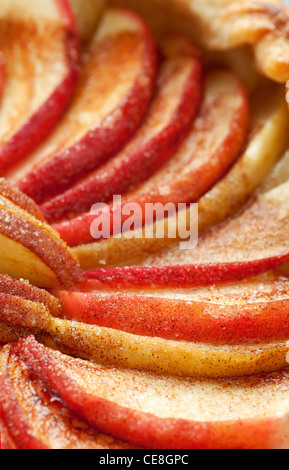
pixel 177 358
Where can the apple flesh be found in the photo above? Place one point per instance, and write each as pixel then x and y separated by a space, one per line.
pixel 212 146
pixel 178 358
pixel 102 116
pixel 34 420
pixel 149 411
pixel 174 107
pixel 40 46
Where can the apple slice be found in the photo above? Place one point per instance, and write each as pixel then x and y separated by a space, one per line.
pixel 37 421
pixel 13 194
pixel 156 354
pixel 213 145
pixel 31 250
pixel 23 289
pixel 255 310
pixel 165 412
pixel 254 242
pixel 41 52
pixel 270 121
pixel 178 358
pixel 167 123
pixel 115 89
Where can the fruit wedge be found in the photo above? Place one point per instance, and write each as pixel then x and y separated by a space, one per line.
pixel 34 420
pixel 13 194
pixel 164 412
pixel 24 290
pixel 121 349
pixel 251 243
pixel 212 146
pixel 267 143
pixel 30 249
pixel 116 86
pixel 175 105
pixel 41 53
pixel 254 310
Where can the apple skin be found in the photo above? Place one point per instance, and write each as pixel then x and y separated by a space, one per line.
pixel 137 427
pixel 182 275
pixel 100 142
pixel 41 123
pixel 193 319
pixel 224 111
pixel 148 150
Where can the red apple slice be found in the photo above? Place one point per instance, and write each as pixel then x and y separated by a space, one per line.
pixel 255 310
pixel 40 48
pixel 34 420
pixel 169 120
pixel 254 242
pixel 212 146
pixel 115 89
pixel 13 194
pixel 165 412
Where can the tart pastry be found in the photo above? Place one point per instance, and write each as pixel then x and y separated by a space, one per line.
pixel 132 342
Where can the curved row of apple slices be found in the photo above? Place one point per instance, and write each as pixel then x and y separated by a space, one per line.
pixel 104 113
pixel 215 140
pixel 230 331
pixel 229 252
pixel 174 106
pixel 43 390
pixel 220 332
pixel 268 130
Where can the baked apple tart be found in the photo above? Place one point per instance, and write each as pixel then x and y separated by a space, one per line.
pixel 122 328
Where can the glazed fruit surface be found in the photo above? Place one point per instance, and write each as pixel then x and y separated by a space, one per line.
pixel 132 342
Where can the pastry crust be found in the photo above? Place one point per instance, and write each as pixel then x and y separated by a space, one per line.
pixel 226 24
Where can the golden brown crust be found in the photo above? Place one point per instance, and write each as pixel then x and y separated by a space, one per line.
pixel 224 24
